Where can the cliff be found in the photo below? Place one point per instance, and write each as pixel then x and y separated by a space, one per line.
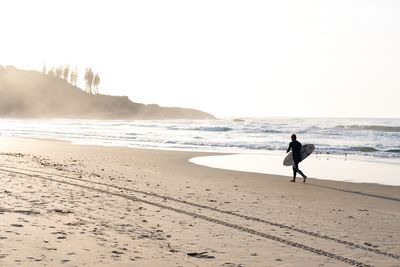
pixel 31 94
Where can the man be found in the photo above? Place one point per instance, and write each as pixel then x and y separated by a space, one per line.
pixel 295 146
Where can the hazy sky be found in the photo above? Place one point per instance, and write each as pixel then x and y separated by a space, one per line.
pixel 230 58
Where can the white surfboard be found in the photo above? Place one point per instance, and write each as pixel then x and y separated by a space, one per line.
pixel 305 151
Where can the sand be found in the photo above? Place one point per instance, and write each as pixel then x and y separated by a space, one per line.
pixel 72 205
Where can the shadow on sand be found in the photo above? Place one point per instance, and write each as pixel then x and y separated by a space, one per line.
pixel 356 192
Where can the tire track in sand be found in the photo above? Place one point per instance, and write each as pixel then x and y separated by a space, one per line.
pixel 298 245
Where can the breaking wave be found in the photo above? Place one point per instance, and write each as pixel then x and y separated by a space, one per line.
pixel 214 129
pixel 379 128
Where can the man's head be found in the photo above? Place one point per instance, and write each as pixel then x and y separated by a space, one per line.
pixel 294 137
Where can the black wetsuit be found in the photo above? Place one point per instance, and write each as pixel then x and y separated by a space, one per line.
pixel 295 146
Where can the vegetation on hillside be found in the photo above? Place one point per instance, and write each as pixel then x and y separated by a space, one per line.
pixel 31 94
pixel 92 80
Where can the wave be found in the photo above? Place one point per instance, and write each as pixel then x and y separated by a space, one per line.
pixel 393 150
pixel 336 130
pixel 213 129
pixel 271 131
pixel 364 149
pixel 246 146
pixel 310 129
pixel 379 128
pixel 202 128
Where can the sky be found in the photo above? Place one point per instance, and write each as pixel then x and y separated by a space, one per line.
pixel 285 58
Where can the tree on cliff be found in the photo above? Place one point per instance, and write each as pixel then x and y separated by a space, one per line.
pixel 89 80
pixel 65 73
pixel 96 82
pixel 59 72
pixel 73 78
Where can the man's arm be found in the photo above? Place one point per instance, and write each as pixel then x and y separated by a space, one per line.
pixel 290 147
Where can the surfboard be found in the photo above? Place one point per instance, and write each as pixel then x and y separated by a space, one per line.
pixel 305 151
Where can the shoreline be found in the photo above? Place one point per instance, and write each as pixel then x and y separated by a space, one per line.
pixel 92 205
pixel 206 159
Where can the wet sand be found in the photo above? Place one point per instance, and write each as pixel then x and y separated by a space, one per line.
pixel 71 205
pixel 327 167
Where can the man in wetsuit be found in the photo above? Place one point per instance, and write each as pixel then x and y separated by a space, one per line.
pixel 295 146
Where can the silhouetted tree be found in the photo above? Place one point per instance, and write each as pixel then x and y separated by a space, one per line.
pixel 89 80
pixel 59 72
pixel 96 82
pixel 74 77
pixel 66 73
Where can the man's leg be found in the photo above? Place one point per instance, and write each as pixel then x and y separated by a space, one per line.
pixel 301 173
pixel 294 171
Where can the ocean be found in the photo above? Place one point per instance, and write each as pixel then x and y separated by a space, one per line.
pixel 372 139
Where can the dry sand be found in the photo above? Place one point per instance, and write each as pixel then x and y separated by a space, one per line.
pixel 70 205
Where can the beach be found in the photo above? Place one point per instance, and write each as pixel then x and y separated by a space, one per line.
pixel 64 204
